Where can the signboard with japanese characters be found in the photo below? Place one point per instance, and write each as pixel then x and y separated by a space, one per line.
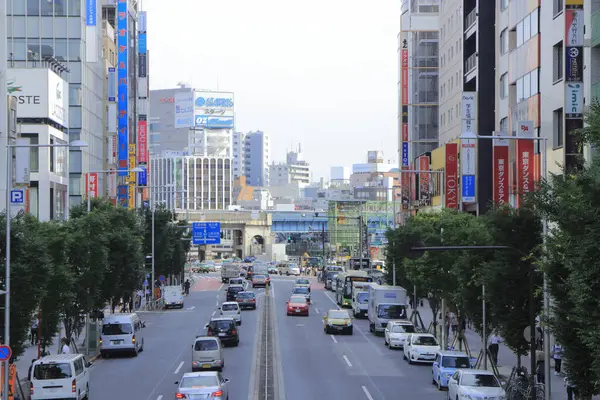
pixel 500 169
pixel 525 160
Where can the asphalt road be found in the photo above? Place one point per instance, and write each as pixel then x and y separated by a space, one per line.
pixel 166 357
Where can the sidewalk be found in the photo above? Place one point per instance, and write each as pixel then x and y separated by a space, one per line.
pixel 506 358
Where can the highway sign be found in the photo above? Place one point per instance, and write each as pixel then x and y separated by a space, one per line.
pixel 17 196
pixel 206 233
pixel 5 353
pixel 161 278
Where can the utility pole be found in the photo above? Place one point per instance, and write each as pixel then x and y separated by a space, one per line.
pixel 323 242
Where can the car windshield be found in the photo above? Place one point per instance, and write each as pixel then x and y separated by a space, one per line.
pixel 456 362
pixel 245 295
pixel 206 345
pixel 391 311
pixel 362 298
pixel 259 277
pixel 425 341
pixel 229 307
pixel 338 314
pixel 236 289
pixel 298 299
pixel 301 290
pixel 198 381
pixel 403 329
pixel 116 329
pixel 52 371
pixel 302 282
pixel 479 380
pixel 220 324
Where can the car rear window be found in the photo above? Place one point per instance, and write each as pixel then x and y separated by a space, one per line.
pixel 229 307
pixel 302 290
pixel 298 299
pixel 199 381
pixel 220 324
pixel 206 345
pixel 259 277
pixel 246 295
pixel 44 372
pixel 235 289
pixel 117 329
pixel 302 282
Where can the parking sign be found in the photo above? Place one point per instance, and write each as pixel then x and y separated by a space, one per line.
pixel 17 196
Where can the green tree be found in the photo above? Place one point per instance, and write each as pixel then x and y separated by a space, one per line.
pixel 163 218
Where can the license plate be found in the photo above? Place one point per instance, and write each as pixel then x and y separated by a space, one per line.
pixel 206 365
pixel 245 301
pixel 53 390
pixel 297 310
pixel 222 334
pixel 116 341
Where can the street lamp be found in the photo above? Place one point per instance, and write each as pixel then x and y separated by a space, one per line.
pixel 9 177
pixel 106 171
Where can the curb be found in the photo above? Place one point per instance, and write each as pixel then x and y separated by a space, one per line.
pixel 253 390
pixel 278 369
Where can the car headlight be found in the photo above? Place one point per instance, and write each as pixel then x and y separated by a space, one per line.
pixel 329 323
pixel 349 323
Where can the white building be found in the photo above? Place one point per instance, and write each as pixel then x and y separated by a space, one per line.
pixel 295 171
pixel 256 158
pixel 238 154
pixel 339 173
pixel 43 112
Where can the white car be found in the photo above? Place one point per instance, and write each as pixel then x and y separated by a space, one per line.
pixel 396 333
pixel 420 347
pixel 475 384
pixel 232 309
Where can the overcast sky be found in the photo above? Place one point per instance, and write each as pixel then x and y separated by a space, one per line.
pixel 322 73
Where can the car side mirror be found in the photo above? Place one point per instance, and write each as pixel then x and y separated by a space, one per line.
pixel 435 364
pixel 143 324
pixel 88 364
pixel 177 382
pixel 206 326
pixel 226 380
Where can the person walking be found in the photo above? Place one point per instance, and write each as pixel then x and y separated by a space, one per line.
pixel 494 346
pixel 65 347
pixel 571 389
pixel 34 330
pixel 186 287
pixel 557 355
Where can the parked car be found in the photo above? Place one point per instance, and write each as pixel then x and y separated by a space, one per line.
pixel 446 364
pixel 475 384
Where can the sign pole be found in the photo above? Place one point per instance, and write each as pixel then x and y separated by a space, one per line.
pixel 7 277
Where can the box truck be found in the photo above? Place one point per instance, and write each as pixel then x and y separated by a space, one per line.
pixel 229 271
pixel 385 303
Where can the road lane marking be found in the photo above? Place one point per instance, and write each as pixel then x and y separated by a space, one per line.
pixel 214 312
pixel 333 338
pixel 221 287
pixel 364 388
pixel 333 301
pixel 299 324
pixel 159 397
pixel 317 310
pixel 347 361
pixel 178 368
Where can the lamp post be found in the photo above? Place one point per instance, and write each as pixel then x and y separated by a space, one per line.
pixel 9 177
pixel 546 308
pixel 106 171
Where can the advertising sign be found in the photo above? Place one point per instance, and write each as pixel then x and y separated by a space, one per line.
pixel 207 121
pixel 573 28
pixel 122 196
pixel 90 13
pixel 574 100
pixel 405 189
pixel 122 84
pixel 143 178
pixel 91 184
pixel 404 74
pixel 39 93
pixel 22 161
pixel 142 140
pixel 216 104
pixel 142 66
pixel 525 168
pixel 112 184
pixel 574 64
pixel 404 98
pixel 112 149
pixel 184 109
pixel 424 180
pixel 451 176
pixel 500 169
pixel 112 84
pixel 206 233
pixel 405 154
pixel 468 149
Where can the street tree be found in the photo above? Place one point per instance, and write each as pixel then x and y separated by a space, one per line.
pixel 163 218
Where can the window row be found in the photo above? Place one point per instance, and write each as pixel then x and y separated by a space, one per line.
pixel 38 49
pixel 528 85
pixel 450 115
pixel 44 27
pixel 44 7
pixel 528 27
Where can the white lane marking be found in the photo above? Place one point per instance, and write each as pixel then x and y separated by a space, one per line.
pixel 347 361
pixel 333 338
pixel 364 388
pixel 333 301
pixel 214 312
pixel 317 310
pixel 299 324
pixel 180 366
pixel 221 287
pixel 159 397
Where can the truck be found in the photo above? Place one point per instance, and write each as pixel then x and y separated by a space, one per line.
pixel 257 268
pixel 360 299
pixel 172 296
pixel 385 304
pixel 229 271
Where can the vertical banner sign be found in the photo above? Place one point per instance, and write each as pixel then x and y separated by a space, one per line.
pixel 405 177
pixel 112 184
pixel 122 86
pixel 143 177
pixel 91 20
pixel 525 160
pixel 451 176
pixel 413 184
pixel 424 181
pixel 122 196
pixel 91 184
pixel 112 84
pixel 132 176
pixel 142 140
pixel 500 169
pixel 468 150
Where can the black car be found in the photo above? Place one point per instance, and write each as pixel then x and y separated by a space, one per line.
pixel 232 291
pixel 225 329
pixel 246 300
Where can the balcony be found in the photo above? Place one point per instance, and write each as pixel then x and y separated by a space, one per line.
pixel 471 23
pixel 470 64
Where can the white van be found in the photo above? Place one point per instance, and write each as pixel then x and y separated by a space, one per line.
pixel 173 296
pixel 122 333
pixel 61 376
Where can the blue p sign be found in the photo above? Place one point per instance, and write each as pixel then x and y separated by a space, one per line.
pixel 17 196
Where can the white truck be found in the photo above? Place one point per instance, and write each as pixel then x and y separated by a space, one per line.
pixel 173 296
pixel 360 299
pixel 230 271
pixel 385 303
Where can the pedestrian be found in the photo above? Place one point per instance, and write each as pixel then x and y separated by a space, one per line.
pixel 540 367
pixel 147 295
pixel 447 324
pixel 454 323
pixel 571 389
pixel 494 346
pixel 34 330
pixel 557 355
pixel 186 287
pixel 65 347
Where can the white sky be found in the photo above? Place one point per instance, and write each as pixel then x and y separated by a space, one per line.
pixel 320 72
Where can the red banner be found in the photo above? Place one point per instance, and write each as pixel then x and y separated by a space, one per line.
pixel 451 175
pixel 91 182
pixel 525 168
pixel 424 181
pixel 500 171
pixel 142 143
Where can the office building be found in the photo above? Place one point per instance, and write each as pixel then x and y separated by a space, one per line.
pixel 238 154
pixel 295 171
pixel 339 174
pixel 256 158
pixel 67 37
pixel 166 133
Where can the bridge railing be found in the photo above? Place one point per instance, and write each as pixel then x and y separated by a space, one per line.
pixel 227 217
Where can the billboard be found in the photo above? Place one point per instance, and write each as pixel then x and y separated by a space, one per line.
pixel 214 110
pixel 574 64
pixel 184 109
pixel 574 100
pixel 212 122
pixel 500 169
pixel 468 151
pixel 451 176
pixel 132 179
pixel 574 27
pixel 91 14
pixel 39 93
pixel 122 196
pixel 122 84
pixel 112 84
pixel 424 180
pixel 525 159
pixel 142 140
pixel 91 179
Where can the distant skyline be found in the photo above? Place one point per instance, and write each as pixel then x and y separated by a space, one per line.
pixel 322 74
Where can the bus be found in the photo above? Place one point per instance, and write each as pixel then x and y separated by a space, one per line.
pixel 343 293
pixel 316 262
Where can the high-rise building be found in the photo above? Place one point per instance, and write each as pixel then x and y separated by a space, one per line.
pixel 256 158
pixel 166 133
pixel 66 36
pixel 238 154
pixel 298 167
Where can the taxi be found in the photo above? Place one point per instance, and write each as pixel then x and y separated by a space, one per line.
pixel 338 321
pixel 302 282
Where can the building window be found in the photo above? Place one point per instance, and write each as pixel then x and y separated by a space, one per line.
pixel 558 6
pixel 534 81
pixel 504 86
pixel 557 127
pixel 504 41
pixel 519 34
pixel 503 5
pixel 534 29
pixel 504 124
pixel 557 58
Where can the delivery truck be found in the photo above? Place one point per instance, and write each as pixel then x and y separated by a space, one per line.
pixel 385 303
pixel 360 299
pixel 229 271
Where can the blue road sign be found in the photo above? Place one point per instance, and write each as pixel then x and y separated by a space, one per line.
pixel 5 353
pixel 17 196
pixel 206 233
pixel 161 278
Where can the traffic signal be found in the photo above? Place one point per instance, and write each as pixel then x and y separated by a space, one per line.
pixel 289 239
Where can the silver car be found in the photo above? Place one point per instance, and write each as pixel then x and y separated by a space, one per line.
pixel 203 385
pixel 232 309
